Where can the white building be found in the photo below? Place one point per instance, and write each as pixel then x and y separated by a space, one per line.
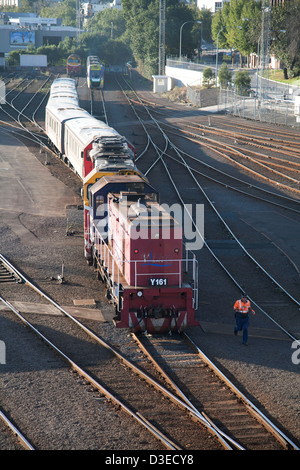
pixel 211 5
pixel 10 3
pixel 91 8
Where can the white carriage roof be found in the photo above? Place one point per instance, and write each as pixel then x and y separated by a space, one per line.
pixel 65 111
pixel 63 80
pixel 63 92
pixel 88 128
pixel 62 88
pixel 57 102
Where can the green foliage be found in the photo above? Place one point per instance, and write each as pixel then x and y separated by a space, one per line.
pixel 242 81
pixel 14 57
pixel 142 20
pixel 238 25
pixel 133 32
pixel 239 22
pixel 224 75
pixel 65 10
pixel 285 36
pixel 109 22
pixel 208 77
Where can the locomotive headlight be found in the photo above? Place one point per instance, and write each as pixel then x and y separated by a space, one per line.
pixel 101 162
pixel 176 250
pixel 139 293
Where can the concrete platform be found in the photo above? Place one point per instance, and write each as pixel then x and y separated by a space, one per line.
pixel 27 186
pixel 45 309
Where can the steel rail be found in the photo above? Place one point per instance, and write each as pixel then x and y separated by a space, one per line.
pixel 36 139
pixel 291 297
pixel 231 176
pixel 223 221
pixel 253 127
pixel 175 387
pixel 286 441
pixel 237 163
pixel 267 423
pixel 25 443
pixel 243 248
pixel 247 139
pixel 213 429
pixel 234 133
pixel 21 112
pixel 228 186
pixel 137 416
pixel 209 143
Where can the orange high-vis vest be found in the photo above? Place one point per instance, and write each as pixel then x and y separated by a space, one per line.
pixel 243 307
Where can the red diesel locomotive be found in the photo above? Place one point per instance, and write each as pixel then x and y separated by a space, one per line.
pixel 137 249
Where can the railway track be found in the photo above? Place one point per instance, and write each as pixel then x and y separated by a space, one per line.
pixel 210 392
pixel 287 200
pixel 218 139
pixel 176 178
pixel 21 439
pixel 125 393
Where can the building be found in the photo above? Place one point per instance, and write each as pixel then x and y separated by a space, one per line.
pixel 20 30
pixel 211 5
pixel 10 3
pixel 90 9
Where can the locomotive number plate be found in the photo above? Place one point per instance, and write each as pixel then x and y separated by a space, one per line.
pixel 157 282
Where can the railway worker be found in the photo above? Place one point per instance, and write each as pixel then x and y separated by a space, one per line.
pixel 242 308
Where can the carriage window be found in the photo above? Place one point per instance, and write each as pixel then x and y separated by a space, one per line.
pixel 136 187
pixel 100 206
pixel 99 200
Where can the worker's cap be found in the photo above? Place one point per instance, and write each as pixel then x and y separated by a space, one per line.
pixel 244 296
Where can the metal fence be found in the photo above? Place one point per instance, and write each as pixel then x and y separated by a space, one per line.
pixel 271 104
pixel 193 96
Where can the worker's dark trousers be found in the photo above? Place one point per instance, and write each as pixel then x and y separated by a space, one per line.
pixel 242 324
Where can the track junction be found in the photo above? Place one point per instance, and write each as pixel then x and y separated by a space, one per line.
pixel 225 238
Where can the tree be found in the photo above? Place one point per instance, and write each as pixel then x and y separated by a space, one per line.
pixel 286 45
pixel 224 75
pixel 65 10
pixel 142 26
pixel 208 76
pixel 54 55
pixel 110 23
pixel 142 19
pixel 115 52
pixel 238 24
pixel 242 81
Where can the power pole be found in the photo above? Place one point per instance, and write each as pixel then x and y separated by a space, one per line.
pixel 77 21
pixel 162 37
pixel 265 40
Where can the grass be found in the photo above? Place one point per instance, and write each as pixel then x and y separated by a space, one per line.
pixel 278 76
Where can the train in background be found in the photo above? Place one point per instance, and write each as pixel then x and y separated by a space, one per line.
pixel 94 72
pixel 74 65
pixel 133 242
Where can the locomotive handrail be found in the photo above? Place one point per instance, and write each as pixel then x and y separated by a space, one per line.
pixel 116 266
